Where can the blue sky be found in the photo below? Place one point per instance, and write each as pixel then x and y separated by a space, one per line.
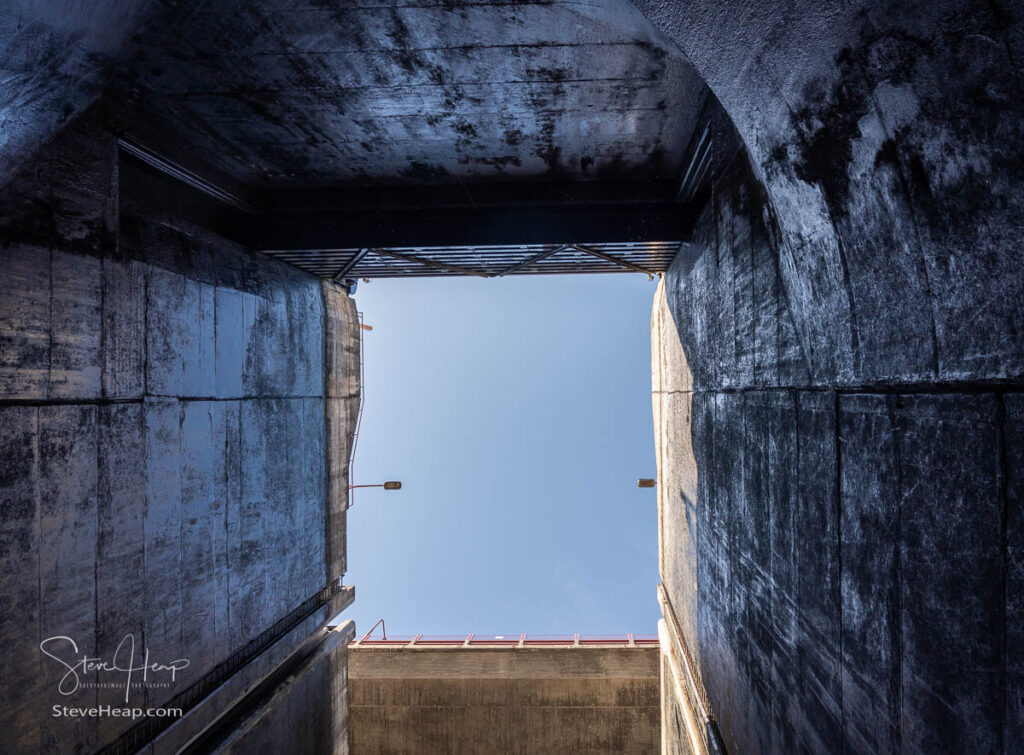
pixel 517 414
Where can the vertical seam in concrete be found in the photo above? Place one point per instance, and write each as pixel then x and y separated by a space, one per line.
pixel 837 503
pixel 773 591
pixel 181 520
pixel 212 539
pixel 733 526
pixel 855 349
pixel 182 359
pixel 227 528
pixel 777 286
pixel 894 407
pixel 1004 490
pixel 99 525
pixel 241 480
pixel 732 254
pixel 37 495
pixel 268 617
pixel 325 371
pixel 216 391
pixel 145 331
pixel 795 544
pixel 143 432
pixel 716 363
pixel 753 307
pixel 49 332
pixel 103 328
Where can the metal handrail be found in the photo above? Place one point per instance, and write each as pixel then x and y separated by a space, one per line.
pixel 359 418
pixel 383 630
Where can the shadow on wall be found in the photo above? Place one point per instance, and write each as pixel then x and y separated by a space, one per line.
pixel 840 548
pixel 847 574
pixel 170 477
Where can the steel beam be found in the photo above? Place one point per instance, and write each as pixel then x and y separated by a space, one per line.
pixel 430 263
pixel 347 267
pixel 610 258
pixel 466 226
pixel 531 260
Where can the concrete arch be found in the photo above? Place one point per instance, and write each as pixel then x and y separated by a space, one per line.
pixel 887 137
pixel 841 477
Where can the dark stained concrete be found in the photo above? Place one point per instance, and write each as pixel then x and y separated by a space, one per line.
pixel 306 93
pixel 56 58
pixel 178 408
pixel 165 415
pixel 852 314
pixel 422 700
pixel 320 93
pixel 887 138
pixel 350 125
pixel 839 419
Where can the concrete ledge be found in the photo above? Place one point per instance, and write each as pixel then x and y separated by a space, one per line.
pixel 312 678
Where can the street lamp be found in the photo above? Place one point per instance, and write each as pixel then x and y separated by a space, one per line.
pixel 645 482
pixel 389 485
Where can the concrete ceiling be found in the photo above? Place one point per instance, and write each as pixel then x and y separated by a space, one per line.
pixel 297 125
pixel 54 55
pixel 284 93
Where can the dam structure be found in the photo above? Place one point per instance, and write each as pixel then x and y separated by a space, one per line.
pixel 830 194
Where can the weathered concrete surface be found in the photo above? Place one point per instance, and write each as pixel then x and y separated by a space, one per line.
pixel 165 417
pixel 306 711
pixel 227 696
pixel 316 94
pixel 849 308
pixel 888 137
pixel 846 564
pixel 672 398
pixel 342 396
pixel 508 700
pixel 299 93
pixel 56 57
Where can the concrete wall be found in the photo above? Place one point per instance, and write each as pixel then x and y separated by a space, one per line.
pixel 423 700
pixel 309 714
pixel 163 424
pixel 841 444
pixel 888 139
pixel 840 552
pixel 301 706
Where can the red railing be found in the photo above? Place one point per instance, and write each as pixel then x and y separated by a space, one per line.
pixel 508 640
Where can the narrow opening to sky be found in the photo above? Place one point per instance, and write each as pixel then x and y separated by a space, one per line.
pixel 517 414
